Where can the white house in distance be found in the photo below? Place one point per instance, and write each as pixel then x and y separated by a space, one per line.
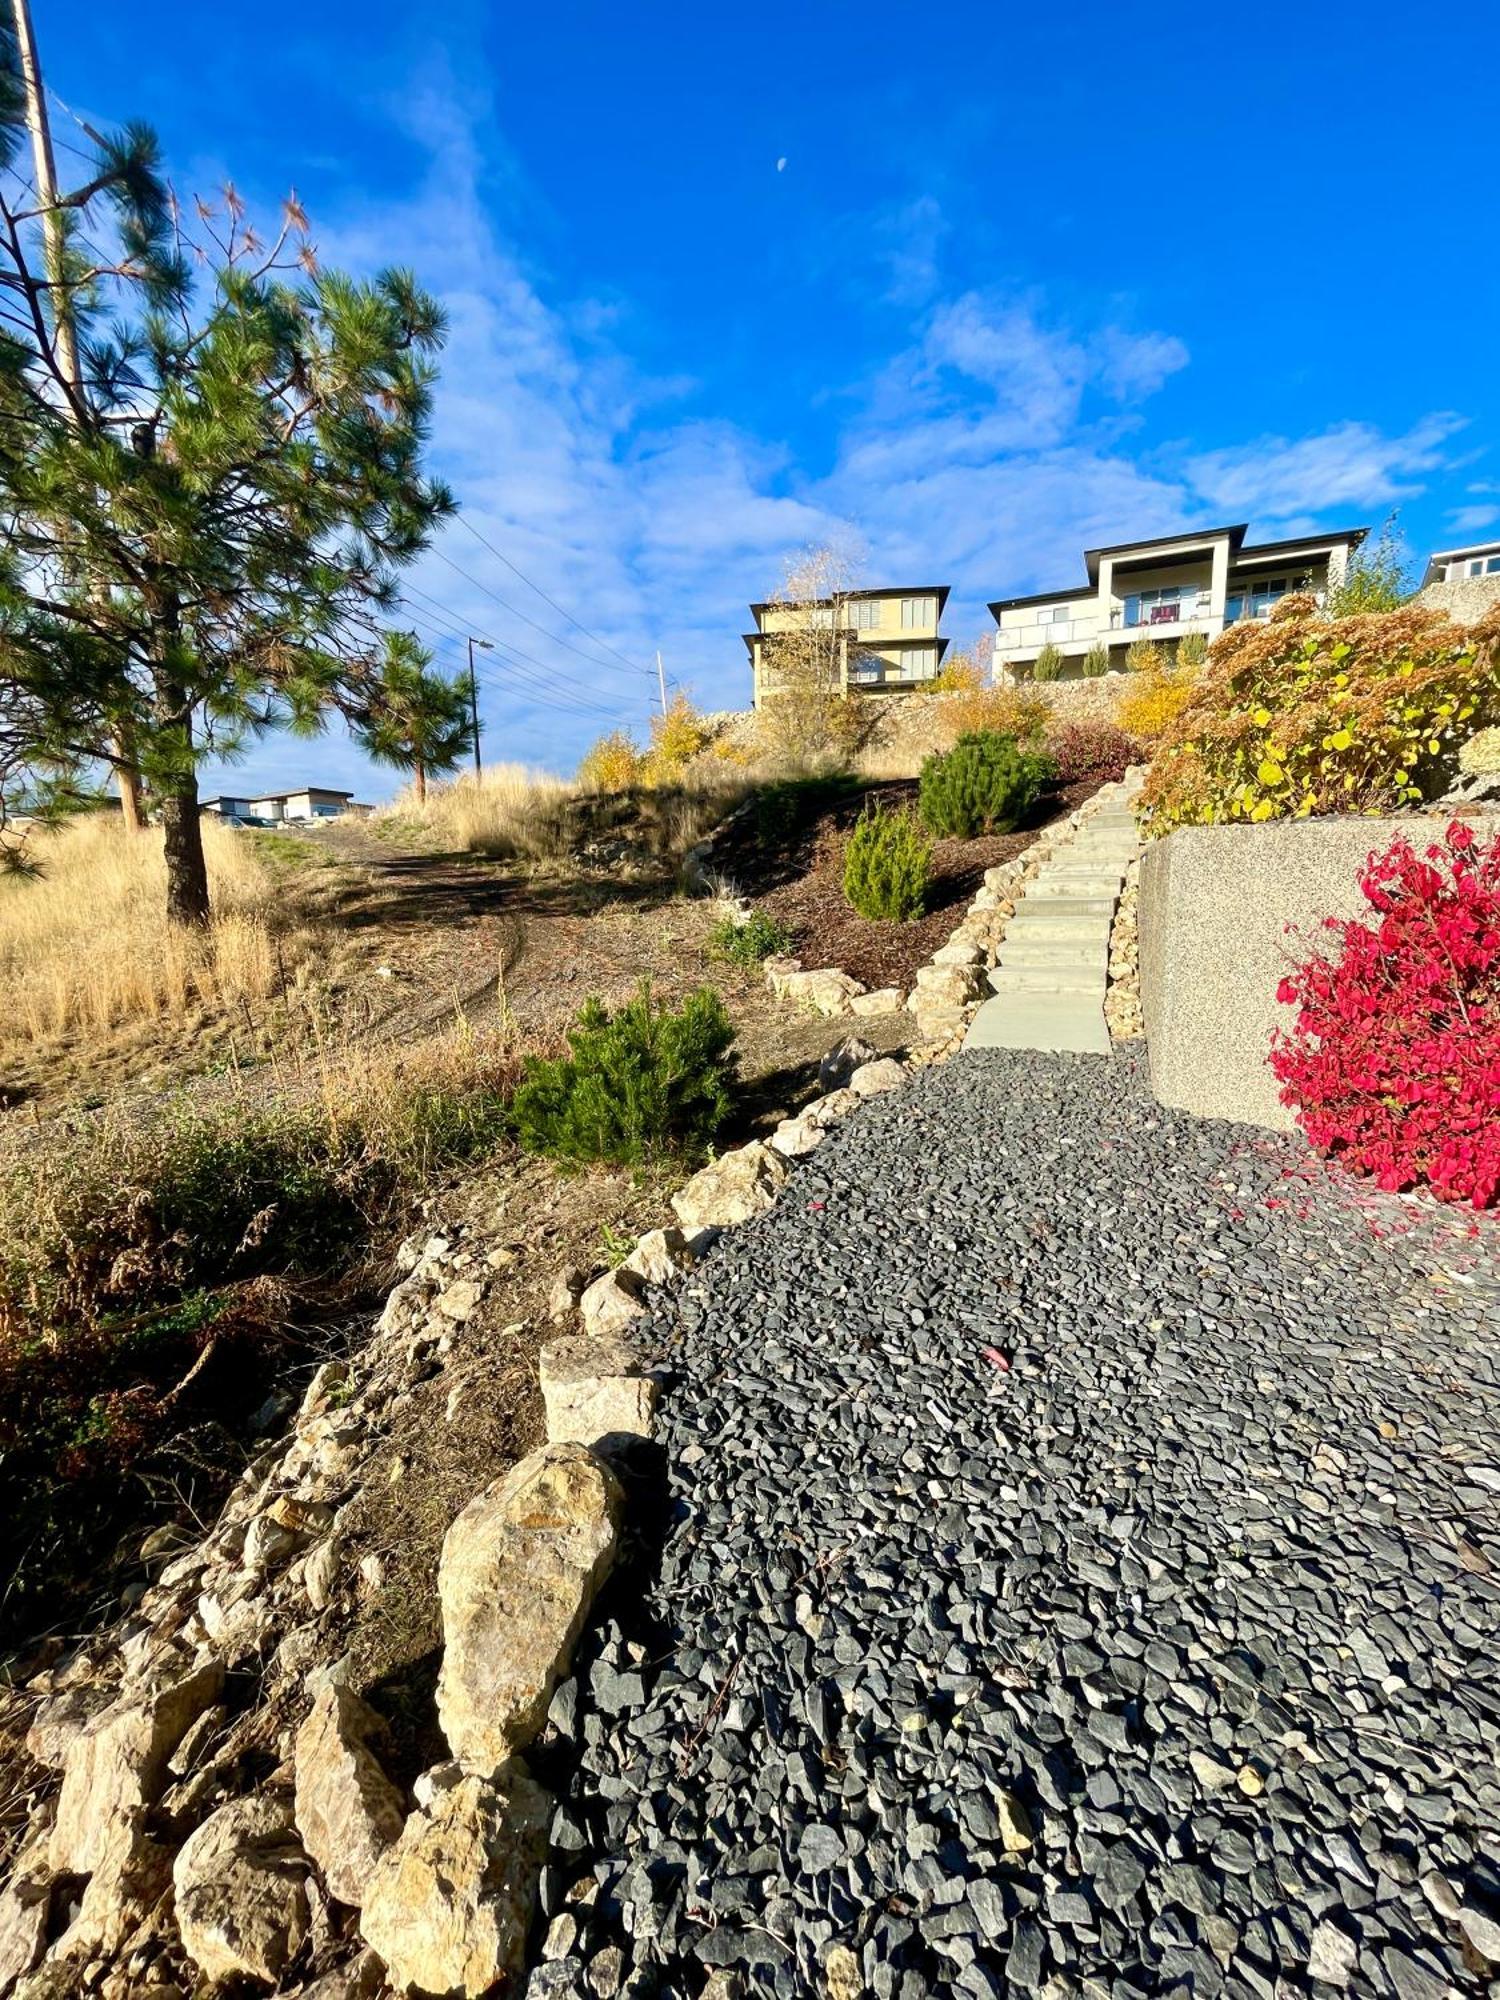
pixel 1462 565
pixel 1165 588
pixel 274 808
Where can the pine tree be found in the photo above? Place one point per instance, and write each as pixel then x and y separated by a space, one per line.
pixel 203 520
pixel 418 721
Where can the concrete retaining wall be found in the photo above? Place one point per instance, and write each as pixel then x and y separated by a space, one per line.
pixel 1215 903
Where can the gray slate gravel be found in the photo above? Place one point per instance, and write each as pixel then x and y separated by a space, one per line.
pixel 1198 1590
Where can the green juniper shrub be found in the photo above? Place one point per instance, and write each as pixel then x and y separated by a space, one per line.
pixel 1096 661
pixel 984 784
pixel 887 861
pixel 639 1083
pixel 761 936
pixel 1048 665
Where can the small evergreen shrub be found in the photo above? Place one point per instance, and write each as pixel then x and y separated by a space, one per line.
pixel 1192 649
pixel 637 1084
pixel 1049 663
pixel 1095 753
pixel 984 784
pixel 761 936
pixel 887 862
pixel 1096 661
pixel 1393 1062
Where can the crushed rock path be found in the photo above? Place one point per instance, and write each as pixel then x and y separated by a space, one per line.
pixel 1162 1659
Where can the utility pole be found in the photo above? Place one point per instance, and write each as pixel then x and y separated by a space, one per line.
pixel 485 647
pixel 661 681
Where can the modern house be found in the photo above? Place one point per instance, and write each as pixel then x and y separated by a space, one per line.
pixel 879 641
pixel 1462 565
pixel 1165 588
pixel 274 808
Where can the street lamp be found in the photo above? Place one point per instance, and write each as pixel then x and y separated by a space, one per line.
pixel 484 646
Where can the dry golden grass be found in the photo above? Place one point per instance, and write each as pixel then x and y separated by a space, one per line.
pixel 85 944
pixel 510 811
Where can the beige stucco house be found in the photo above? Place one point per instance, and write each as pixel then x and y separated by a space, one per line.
pixel 1163 589
pixel 879 641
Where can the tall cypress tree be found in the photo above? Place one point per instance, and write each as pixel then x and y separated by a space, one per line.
pixel 203 524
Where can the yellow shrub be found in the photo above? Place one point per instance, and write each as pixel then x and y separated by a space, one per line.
pixel 613 764
pixel 1305 715
pixel 1155 696
pixel 1001 711
pixel 677 736
pixel 961 674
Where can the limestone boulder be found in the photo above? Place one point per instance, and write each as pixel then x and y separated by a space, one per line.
pixel 841 1061
pixel 944 986
pixel 519 1570
pixel 734 1188
pixel 795 1136
pixel 240 1890
pixel 870 1079
pixel 24 1907
pixel 450 1903
pixel 117 1765
pixel 825 990
pixel 660 1255
pixel 568 1287
pixel 595 1389
pixel 884 1000
pixel 612 1302
pixel 347 1810
pixel 959 951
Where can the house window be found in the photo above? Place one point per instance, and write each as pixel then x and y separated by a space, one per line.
pixel 917 613
pixel 1154 607
pixel 865 613
pixel 1056 614
pixel 1264 595
pixel 918 663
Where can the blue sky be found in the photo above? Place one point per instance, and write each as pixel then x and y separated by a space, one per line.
pixel 964 286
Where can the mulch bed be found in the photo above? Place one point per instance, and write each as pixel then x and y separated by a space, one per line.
pixel 827 932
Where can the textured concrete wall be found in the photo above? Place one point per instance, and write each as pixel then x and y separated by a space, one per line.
pixel 1215 902
pixel 1467 598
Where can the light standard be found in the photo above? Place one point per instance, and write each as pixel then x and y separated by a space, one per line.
pixel 484 646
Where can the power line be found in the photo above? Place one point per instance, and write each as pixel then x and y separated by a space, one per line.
pixel 459 631
pixel 560 609
pixel 563 698
pixel 556 637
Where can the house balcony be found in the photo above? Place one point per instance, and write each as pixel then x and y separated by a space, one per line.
pixel 1167 616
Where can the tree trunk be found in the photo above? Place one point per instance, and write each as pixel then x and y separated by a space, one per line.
pixel 182 828
pixel 419 770
pixel 129 782
pixel 187 871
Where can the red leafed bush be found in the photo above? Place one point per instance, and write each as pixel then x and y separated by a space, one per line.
pixel 1393 1063
pixel 1092 752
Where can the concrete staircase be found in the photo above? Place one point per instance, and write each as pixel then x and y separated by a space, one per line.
pixel 1053 965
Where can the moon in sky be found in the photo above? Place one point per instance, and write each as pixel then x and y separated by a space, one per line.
pixel 781 164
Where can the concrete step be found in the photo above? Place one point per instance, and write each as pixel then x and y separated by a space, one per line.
pixel 1031 938
pixel 1088 976
pixel 1083 949
pixel 1090 884
pixel 1059 1023
pixel 1050 911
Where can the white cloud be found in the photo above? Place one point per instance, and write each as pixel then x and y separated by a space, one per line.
pixel 1473 520
pixel 1348 465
